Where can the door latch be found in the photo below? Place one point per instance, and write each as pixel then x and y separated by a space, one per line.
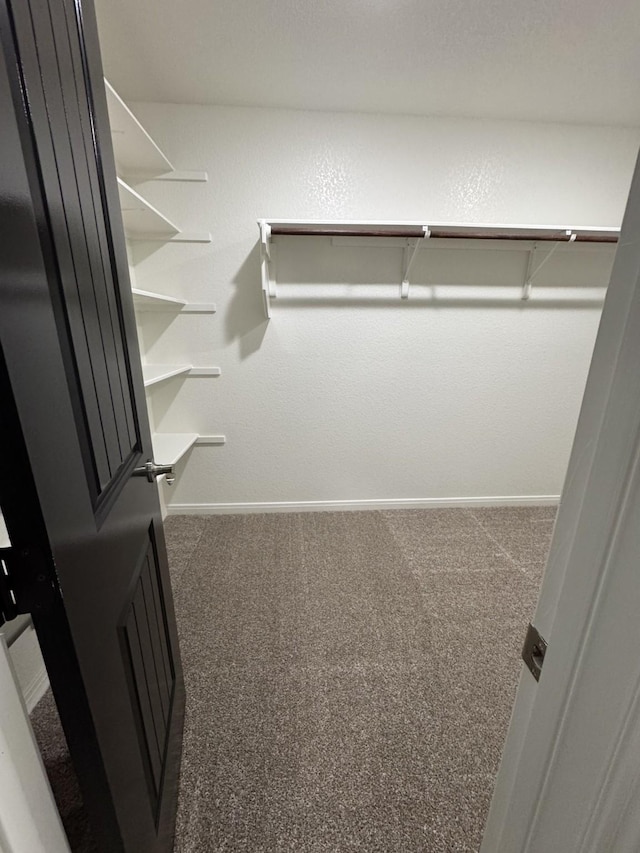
pixel 150 470
pixel 533 651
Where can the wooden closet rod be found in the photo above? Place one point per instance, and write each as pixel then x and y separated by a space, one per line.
pixel 536 234
pixel 549 235
pixel 313 231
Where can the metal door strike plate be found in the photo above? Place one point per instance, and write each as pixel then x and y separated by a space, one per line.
pixel 533 651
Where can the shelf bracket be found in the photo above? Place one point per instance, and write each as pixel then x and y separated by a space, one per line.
pixel 211 439
pixel 199 308
pixel 268 284
pixel 531 273
pixel 183 175
pixel 204 371
pixel 180 237
pixel 410 254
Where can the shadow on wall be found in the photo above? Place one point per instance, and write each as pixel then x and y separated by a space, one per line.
pixel 431 299
pixel 155 326
pixel 245 318
pixel 320 271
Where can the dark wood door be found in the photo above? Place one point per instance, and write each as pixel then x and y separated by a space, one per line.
pixel 88 556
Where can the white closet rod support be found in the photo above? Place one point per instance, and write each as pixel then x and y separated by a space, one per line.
pixel 408 261
pixel 531 274
pixel 268 288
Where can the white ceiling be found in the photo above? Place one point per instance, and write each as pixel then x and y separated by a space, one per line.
pixel 549 60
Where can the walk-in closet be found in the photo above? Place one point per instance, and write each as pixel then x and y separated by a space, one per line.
pixel 318 329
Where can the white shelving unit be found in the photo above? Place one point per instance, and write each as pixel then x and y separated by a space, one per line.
pixel 139 160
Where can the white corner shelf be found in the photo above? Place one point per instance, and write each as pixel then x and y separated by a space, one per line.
pixel 134 150
pixel 170 447
pixel 147 300
pixel 154 373
pixel 144 223
pixel 138 158
pixel 141 219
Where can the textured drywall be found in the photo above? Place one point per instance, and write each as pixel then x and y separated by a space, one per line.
pixel 349 393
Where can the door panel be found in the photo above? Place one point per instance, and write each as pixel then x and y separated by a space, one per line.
pixel 63 129
pixel 150 666
pixel 89 559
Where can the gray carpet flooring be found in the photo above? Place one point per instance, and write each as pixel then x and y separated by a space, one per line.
pixel 349 676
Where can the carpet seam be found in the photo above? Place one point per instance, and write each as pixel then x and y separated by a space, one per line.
pixel 499 544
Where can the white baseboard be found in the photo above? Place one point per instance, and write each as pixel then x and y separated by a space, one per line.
pixel 36 689
pixel 335 506
pixel 26 659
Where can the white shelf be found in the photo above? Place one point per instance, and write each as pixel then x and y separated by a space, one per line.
pixel 154 373
pixel 141 219
pixel 145 300
pixel 135 151
pixel 204 371
pixel 180 237
pixel 185 176
pixel 170 447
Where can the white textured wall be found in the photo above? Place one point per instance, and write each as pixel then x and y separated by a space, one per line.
pixel 349 394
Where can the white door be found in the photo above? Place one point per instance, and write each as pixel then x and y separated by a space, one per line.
pixel 570 774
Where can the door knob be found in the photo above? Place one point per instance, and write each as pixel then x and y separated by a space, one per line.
pixel 150 470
